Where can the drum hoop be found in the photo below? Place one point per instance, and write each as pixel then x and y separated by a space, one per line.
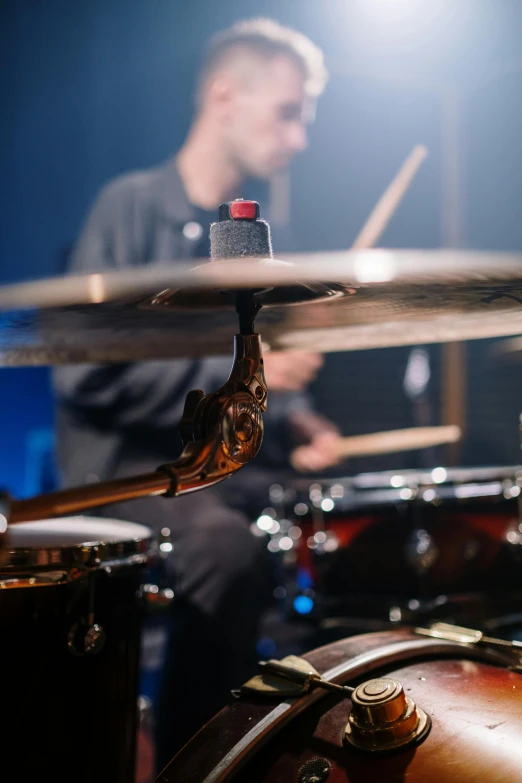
pixel 367 490
pixel 287 710
pixel 90 555
pixel 471 475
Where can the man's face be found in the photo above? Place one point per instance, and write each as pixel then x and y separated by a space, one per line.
pixel 265 121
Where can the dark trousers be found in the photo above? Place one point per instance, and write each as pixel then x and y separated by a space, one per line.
pixel 222 582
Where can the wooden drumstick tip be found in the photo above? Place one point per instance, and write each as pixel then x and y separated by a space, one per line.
pixel 388 203
pixel 454 432
pixel 420 152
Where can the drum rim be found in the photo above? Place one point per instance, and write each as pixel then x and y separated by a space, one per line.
pixel 424 476
pixel 91 555
pixel 403 486
pixel 458 475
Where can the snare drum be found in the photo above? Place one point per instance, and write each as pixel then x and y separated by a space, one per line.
pixel 70 616
pixel 390 545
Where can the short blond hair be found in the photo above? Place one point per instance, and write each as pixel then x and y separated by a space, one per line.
pixel 267 39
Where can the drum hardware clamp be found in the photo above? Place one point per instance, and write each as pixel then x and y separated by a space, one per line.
pixel 471 636
pixel 307 677
pixel 382 718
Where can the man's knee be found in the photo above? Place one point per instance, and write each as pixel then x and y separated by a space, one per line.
pixel 220 560
pixel 224 545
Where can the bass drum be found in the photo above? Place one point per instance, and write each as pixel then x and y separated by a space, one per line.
pixel 471 699
pixel 401 546
pixel 70 613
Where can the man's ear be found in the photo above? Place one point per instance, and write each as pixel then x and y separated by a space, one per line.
pixel 221 91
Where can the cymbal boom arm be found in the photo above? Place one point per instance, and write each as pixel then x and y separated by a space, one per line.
pixel 220 431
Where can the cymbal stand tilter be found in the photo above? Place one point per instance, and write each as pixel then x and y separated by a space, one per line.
pixel 220 431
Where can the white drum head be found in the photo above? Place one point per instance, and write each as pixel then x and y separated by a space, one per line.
pixel 70 541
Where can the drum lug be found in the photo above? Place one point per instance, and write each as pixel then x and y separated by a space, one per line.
pixel 86 638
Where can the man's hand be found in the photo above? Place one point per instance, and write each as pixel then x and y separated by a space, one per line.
pixel 317 441
pixel 290 370
pixel 322 452
pixel 317 437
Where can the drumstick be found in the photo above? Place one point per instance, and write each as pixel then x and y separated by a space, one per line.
pixel 390 200
pixel 397 440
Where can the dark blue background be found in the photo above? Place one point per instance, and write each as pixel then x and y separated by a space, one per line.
pixel 92 89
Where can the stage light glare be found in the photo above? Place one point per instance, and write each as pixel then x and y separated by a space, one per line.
pixel 399 12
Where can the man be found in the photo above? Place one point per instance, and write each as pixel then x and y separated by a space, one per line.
pixel 256 89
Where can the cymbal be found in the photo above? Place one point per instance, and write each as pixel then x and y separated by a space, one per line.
pixel 379 298
pixel 508 351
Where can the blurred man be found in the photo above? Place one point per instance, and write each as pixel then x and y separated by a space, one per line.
pixel 256 89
